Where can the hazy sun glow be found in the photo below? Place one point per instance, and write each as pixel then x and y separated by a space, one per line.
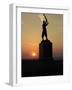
pixel 33 54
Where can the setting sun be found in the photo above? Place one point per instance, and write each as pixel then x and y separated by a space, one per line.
pixel 34 54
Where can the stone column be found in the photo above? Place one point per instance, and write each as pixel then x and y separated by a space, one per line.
pixel 45 50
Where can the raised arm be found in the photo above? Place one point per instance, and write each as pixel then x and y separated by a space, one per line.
pixel 46 19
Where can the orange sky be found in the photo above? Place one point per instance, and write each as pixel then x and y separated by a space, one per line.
pixel 31 29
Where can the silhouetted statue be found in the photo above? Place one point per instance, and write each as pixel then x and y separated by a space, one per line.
pixel 45 23
pixel 45 46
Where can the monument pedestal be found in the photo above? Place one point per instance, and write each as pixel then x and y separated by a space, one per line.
pixel 45 49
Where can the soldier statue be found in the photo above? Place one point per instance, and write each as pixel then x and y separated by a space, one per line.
pixel 44 25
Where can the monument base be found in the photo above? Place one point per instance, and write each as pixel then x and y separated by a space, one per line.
pixel 45 49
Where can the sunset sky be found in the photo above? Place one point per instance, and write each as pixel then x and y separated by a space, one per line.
pixel 31 30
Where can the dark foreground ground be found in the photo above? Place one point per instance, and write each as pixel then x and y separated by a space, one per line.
pixel 41 68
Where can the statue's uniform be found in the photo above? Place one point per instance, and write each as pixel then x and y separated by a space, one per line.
pixel 44 32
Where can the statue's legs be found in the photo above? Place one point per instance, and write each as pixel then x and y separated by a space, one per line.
pixel 44 33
